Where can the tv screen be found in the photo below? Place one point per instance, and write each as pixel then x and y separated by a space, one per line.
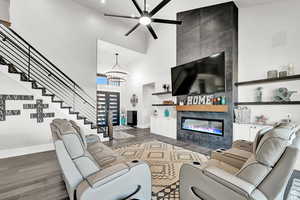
pixel 204 76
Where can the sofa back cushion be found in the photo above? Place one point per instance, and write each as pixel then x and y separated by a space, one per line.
pixel 73 145
pixel 63 126
pixel 274 143
pixel 81 133
pixel 259 136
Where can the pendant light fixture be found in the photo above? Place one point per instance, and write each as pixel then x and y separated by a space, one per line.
pixel 116 74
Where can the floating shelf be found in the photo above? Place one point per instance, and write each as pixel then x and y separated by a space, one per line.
pixel 268 103
pixel 162 93
pixel 5 23
pixel 203 108
pixel 164 104
pixel 270 80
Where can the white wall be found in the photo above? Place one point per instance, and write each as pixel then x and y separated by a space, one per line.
pixel 257 26
pixel 67 32
pixel 4 9
pixel 160 57
pixel 21 132
pixel 268 39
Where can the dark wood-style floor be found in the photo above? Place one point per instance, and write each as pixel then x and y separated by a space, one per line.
pixel 38 176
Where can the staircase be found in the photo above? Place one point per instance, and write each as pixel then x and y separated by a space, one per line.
pixel 23 59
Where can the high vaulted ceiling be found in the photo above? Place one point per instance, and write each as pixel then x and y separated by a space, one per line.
pixel 127 7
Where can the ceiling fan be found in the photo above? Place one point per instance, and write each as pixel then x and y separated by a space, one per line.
pixel 147 18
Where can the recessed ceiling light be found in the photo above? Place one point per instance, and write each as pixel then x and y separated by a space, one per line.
pixel 103 1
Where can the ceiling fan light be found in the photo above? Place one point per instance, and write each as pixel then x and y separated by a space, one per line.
pixel 145 20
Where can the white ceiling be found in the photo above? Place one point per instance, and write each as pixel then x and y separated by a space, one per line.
pixel 126 7
pixel 106 56
pixel 250 3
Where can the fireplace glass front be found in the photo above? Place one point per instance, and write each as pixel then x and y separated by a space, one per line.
pixel 207 126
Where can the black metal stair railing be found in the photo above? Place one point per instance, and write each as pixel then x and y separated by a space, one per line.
pixel 37 69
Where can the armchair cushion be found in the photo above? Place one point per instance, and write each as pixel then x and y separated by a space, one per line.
pixel 73 145
pixel 86 166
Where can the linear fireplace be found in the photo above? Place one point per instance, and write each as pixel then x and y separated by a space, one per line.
pixel 206 126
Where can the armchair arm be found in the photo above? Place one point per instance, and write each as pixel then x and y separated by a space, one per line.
pixel 231 181
pixel 107 174
pixel 121 181
pixel 211 183
pixel 243 145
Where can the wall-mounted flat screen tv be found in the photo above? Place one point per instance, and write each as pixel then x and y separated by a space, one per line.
pixel 204 76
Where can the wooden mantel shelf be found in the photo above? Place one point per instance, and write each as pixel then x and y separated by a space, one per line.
pixel 203 108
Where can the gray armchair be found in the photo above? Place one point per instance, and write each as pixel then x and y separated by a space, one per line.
pixel 262 177
pixel 95 171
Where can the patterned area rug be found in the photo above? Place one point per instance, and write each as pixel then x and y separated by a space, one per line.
pixel 165 161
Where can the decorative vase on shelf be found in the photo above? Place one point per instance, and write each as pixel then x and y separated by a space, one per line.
pixel 167 113
pixel 258 93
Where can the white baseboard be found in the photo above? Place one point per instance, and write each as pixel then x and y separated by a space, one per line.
pixel 25 150
pixel 143 126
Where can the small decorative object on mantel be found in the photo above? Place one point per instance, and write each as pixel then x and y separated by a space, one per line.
pixel 261 119
pixel 258 93
pixel 134 100
pixel 168 102
pixel 242 115
pixel 283 94
pixel 221 100
pixel 273 74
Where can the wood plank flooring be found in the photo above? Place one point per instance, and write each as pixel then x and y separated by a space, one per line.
pixel 38 176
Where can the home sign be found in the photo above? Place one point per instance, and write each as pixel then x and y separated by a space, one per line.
pixel 195 100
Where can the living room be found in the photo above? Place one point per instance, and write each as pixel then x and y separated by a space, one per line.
pixel 200 102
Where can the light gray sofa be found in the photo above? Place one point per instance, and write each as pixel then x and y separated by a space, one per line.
pixel 263 176
pixel 94 171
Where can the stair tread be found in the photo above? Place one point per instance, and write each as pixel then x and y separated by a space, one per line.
pixel 49 95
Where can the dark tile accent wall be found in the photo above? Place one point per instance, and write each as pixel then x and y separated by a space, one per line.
pixel 206 31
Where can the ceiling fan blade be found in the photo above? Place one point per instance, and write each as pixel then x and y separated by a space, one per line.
pixel 152 31
pixel 137 7
pixel 133 29
pixel 159 6
pixel 166 21
pixel 121 16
